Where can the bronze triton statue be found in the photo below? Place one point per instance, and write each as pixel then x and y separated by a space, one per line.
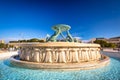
pixel 58 31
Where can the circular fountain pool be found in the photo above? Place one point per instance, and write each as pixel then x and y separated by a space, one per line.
pixel 10 72
pixel 52 59
pixel 60 54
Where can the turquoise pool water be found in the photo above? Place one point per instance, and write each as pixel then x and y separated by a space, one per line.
pixel 110 72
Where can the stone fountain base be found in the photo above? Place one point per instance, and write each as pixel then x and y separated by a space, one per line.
pixel 61 66
pixel 60 52
pixel 60 55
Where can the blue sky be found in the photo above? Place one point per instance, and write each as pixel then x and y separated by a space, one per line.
pixel 23 19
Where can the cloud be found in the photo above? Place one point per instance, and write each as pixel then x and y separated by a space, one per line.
pixel 78 37
pixel 47 35
pixel 85 41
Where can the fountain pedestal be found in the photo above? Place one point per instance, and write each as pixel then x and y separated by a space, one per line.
pixel 60 52
pixel 60 55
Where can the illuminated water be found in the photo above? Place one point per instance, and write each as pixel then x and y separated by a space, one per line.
pixel 110 72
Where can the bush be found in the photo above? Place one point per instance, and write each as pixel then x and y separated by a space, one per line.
pixel 105 44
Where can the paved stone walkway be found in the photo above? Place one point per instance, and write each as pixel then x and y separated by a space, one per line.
pixel 5 55
pixel 112 54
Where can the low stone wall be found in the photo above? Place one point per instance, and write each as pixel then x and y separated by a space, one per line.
pixel 60 53
pixel 61 66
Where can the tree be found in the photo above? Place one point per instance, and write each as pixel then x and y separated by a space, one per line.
pixel 101 42
pixel 22 41
pixel 112 45
pixel 105 44
pixel 41 40
pixel 13 41
pixel 34 40
pixel 2 45
pixel 29 40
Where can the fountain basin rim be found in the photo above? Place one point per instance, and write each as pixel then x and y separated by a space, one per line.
pixel 59 44
pixel 60 66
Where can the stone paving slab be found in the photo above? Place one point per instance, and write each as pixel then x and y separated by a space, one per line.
pixel 8 54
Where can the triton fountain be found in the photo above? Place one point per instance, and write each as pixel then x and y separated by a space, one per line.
pixel 67 54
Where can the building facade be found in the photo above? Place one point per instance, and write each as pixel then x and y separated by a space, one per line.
pixel 115 40
pixel 2 41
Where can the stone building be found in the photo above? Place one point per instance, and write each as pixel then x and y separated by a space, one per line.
pixel 115 40
pixel 104 39
pixel 2 41
pixel 94 39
